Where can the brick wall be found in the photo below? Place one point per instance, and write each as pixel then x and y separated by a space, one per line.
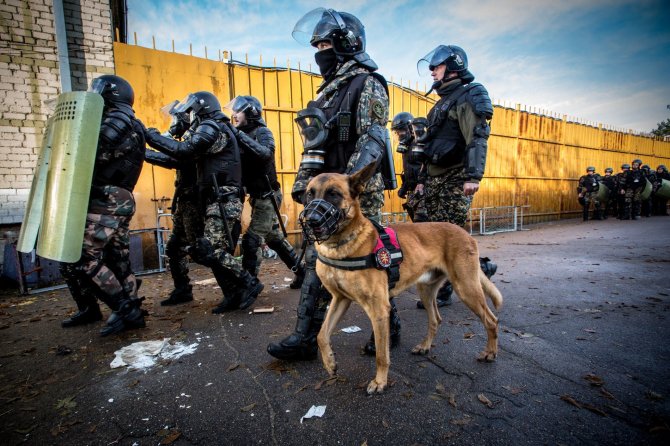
pixel 29 75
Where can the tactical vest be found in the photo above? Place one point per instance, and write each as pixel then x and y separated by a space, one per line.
pixel 221 159
pixel 446 144
pixel 411 168
pixel 253 174
pixel 341 142
pixel 635 179
pixel 125 165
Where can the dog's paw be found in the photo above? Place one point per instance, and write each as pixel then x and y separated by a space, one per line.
pixel 420 350
pixel 375 387
pixel 486 356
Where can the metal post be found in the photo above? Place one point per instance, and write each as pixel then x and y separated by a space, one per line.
pixel 61 45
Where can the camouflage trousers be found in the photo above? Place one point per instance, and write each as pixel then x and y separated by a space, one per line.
pixel 372 198
pixel 187 226
pixel 630 204
pixel 215 235
pixel 591 197
pixel 416 207
pixel 105 258
pixel 445 199
pixel 264 221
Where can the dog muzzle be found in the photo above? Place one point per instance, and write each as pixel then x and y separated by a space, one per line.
pixel 320 219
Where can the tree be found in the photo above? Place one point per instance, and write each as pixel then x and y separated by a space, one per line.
pixel 663 128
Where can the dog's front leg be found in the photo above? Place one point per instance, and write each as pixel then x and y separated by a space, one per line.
pixel 379 313
pixel 338 306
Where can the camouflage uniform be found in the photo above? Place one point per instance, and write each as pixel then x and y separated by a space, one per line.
pixel 660 204
pixel 444 197
pixel 631 183
pixel 588 190
pixel 610 181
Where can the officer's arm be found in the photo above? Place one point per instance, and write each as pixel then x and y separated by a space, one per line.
pixel 473 119
pixel 160 159
pixel 372 116
pixel 263 149
pixel 202 138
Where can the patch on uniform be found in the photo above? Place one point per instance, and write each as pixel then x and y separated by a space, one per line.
pixel 378 108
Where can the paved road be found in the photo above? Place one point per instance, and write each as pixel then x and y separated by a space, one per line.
pixel 584 359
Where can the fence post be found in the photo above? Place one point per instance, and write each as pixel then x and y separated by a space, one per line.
pixel 517 137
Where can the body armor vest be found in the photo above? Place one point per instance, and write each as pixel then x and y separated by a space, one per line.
pixel 221 159
pixel 411 168
pixel 253 174
pixel 635 179
pixel 126 159
pixel 446 144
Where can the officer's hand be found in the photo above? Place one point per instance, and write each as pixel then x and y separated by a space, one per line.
pixel 151 133
pixel 470 187
pixel 298 195
pixel 402 193
pixel 418 189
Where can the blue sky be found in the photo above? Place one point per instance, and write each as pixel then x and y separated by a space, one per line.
pixel 603 61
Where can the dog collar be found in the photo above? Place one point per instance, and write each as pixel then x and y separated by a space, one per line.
pixel 386 255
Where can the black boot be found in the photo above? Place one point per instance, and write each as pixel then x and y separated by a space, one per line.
pixel 488 267
pixel 227 283
pixel 249 289
pixel 287 254
pixel 179 295
pixel 301 344
pixel 86 314
pixel 443 296
pixel 128 316
pixel 585 213
pixel 251 244
pixel 394 331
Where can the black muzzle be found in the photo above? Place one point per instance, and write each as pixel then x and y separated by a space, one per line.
pixel 320 219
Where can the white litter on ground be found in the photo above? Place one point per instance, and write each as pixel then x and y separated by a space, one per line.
pixel 314 411
pixel 352 329
pixel 143 355
pixel 206 281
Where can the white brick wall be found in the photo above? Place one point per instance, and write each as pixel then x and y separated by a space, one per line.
pixel 29 75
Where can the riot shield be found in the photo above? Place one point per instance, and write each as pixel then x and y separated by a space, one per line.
pixel 603 193
pixel 646 192
pixel 74 126
pixel 664 190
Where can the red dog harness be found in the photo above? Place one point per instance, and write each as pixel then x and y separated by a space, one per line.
pixel 386 255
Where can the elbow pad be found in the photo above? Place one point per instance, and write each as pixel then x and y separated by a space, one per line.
pixel 205 135
pixel 259 149
pixel 372 150
pixel 115 127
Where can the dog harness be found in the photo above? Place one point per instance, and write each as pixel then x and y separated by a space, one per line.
pixel 386 255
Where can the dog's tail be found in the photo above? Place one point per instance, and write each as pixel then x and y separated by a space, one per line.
pixel 491 290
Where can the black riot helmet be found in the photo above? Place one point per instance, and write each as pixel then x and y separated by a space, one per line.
pixel 115 90
pixel 343 30
pixel 452 56
pixel 609 170
pixel 201 103
pixel 249 105
pixel 662 166
pixel 591 169
pixel 625 166
pixel 402 125
pixel 638 162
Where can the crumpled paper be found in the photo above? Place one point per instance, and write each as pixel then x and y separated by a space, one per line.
pixel 314 411
pixel 142 355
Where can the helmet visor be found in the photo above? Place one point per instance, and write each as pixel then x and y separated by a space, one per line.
pixel 168 109
pixel 99 86
pixel 238 104
pixel 436 57
pixel 189 103
pixel 315 26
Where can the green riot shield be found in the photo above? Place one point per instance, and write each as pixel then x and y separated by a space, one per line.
pixel 603 193
pixel 75 126
pixel 664 190
pixel 31 220
pixel 646 192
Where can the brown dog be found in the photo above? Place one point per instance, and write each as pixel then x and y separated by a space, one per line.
pixel 432 253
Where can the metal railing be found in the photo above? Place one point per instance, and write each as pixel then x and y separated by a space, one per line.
pixel 492 220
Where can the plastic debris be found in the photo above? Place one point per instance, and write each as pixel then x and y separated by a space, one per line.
pixel 352 329
pixel 314 411
pixel 143 355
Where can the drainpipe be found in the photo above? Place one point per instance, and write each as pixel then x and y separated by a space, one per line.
pixel 61 43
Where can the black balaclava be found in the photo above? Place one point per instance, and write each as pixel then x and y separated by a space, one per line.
pixel 327 61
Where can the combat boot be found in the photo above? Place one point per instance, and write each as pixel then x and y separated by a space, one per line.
pixel 301 344
pixel 179 295
pixel 249 289
pixel 585 213
pixel 251 244
pixel 443 296
pixel 394 332
pixel 287 254
pixel 128 316
pixel 488 267
pixel 86 315
pixel 231 298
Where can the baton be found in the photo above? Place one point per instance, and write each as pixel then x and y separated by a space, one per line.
pixel 275 205
pixel 224 216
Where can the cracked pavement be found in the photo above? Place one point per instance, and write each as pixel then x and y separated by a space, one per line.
pixel 584 358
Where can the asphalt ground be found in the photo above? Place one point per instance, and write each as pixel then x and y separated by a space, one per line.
pixel 584 358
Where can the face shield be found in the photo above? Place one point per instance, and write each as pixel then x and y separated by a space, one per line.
pixel 100 86
pixel 436 57
pixel 238 104
pixel 316 26
pixel 190 103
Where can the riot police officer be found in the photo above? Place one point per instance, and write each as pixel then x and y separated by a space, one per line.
pixel 353 98
pixel 104 269
pixel 212 144
pixel 610 181
pixel 660 203
pixel 187 221
pixel 259 177
pixel 649 175
pixel 622 178
pixel 403 127
pixel 633 185
pixel 587 192
pixel 455 144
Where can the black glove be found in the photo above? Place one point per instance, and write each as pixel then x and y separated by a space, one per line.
pixel 151 133
pixel 402 193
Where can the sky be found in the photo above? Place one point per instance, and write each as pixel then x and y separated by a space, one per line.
pixel 599 61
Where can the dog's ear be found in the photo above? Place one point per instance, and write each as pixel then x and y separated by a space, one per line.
pixel 358 179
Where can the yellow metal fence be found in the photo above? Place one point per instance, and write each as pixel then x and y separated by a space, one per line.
pixel 534 159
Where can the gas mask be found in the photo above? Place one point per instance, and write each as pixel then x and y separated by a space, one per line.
pixel 313 126
pixel 320 219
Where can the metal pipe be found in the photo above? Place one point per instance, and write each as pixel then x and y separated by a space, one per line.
pixel 61 44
